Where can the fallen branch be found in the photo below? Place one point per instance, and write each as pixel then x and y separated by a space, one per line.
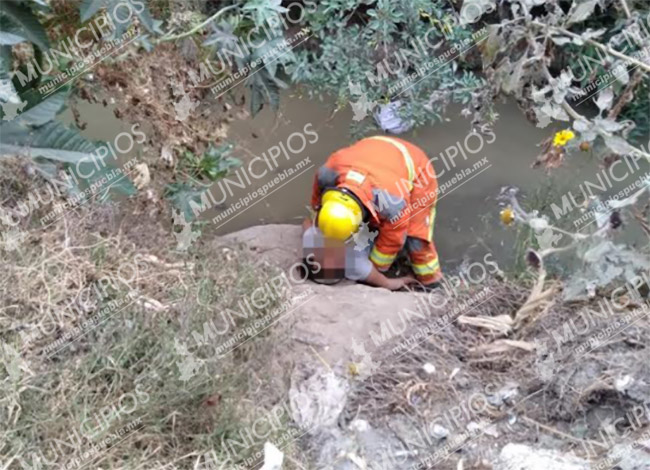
pixel 561 434
pixel 627 96
pixel 537 303
pixel 501 324
pixel 502 346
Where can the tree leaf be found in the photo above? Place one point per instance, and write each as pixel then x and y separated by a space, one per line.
pixel 53 141
pixel 582 11
pixel 89 7
pixel 618 145
pixel 18 21
pixel 105 179
pixel 181 194
pixel 605 99
pixel 45 111
pixel 265 12
pixel 561 40
pixel 591 34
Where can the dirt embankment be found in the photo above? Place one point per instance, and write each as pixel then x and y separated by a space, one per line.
pixel 329 317
pixel 471 377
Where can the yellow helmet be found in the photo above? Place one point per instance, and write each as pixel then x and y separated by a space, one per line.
pixel 339 216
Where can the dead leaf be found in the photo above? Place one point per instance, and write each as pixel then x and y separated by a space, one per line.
pixel 142 177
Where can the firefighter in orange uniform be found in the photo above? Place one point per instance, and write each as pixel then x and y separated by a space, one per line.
pixel 390 184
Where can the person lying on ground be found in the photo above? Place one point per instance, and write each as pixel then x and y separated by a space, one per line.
pixel 332 260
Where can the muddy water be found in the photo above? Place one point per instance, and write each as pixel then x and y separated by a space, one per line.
pixel 467 219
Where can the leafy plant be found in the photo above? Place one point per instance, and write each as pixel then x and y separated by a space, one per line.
pixel 213 164
pixel 37 134
pixel 28 122
pixel 18 23
pixel 373 53
pixel 180 194
pixel 601 261
pixel 262 79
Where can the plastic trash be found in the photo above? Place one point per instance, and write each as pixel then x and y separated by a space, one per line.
pixel 388 118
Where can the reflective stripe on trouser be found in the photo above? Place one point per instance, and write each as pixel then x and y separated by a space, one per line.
pixel 424 261
pixel 381 260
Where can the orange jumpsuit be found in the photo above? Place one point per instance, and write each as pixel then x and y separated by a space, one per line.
pixel 396 183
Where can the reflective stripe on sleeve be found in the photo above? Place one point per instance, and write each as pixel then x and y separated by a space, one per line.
pixel 432 221
pixel 410 167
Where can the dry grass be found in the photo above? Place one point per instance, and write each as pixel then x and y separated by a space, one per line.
pixel 123 372
pixel 558 391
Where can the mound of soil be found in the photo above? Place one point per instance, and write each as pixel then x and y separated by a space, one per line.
pixel 330 317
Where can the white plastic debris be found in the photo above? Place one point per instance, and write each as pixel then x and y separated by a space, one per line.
pixel 166 155
pixel 623 383
pixel 506 395
pixel 429 368
pixel 454 372
pixel 439 432
pixel 522 457
pixel 359 425
pixel 538 223
pixel 388 118
pixel 482 428
pixel 151 304
pixel 317 400
pixel 491 430
pixel 473 427
pixel 273 457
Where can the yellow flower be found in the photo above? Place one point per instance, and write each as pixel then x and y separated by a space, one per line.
pixel 563 137
pixel 507 216
pixel 353 369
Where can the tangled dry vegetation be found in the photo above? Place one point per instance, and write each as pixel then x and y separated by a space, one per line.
pixel 505 354
pixel 158 91
pixel 121 371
